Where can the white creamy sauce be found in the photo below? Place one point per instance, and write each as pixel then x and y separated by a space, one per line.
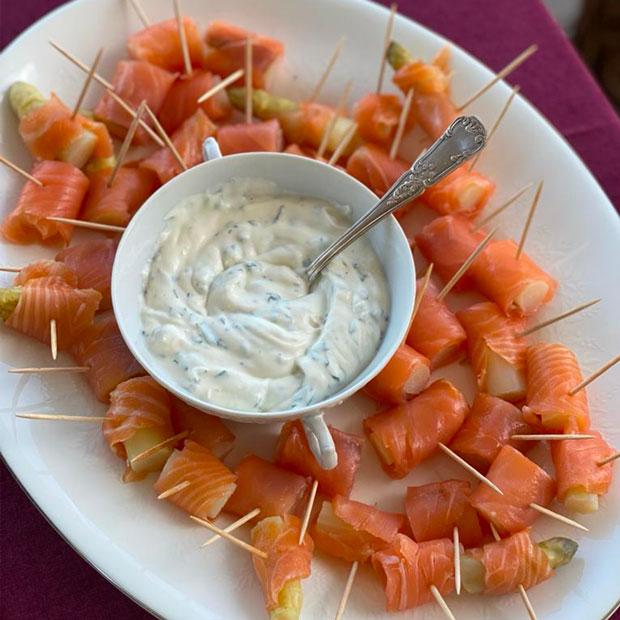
pixel 228 310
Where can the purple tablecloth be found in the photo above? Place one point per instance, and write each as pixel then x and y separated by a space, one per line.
pixel 40 575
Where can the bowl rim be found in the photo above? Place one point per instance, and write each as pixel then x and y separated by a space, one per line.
pixel 250 416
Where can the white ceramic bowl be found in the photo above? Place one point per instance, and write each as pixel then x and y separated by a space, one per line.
pixel 299 175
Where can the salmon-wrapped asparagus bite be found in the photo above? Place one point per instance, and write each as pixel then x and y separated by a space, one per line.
pixel 272 489
pixel 204 483
pixel 303 123
pixel 352 530
pixel 137 420
pixel 435 509
pixel 408 570
pixel 377 116
pixel 293 453
pixel 489 426
pixel 287 563
pixel 522 483
pixel 552 372
pixel 581 479
pixel 244 138
pixel 62 193
pixel 496 350
pixel 404 376
pixel 30 308
pixel 47 268
pixel 501 567
pixel 406 435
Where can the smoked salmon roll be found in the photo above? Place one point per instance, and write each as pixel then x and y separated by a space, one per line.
pixel 489 426
pixel 39 301
pixel 552 371
pixel 294 453
pixel 182 101
pixel 434 509
pixel 447 242
pixel 48 128
pixel 287 563
pixel 64 188
pixel 160 44
pixel 47 269
pixel 404 376
pixel 210 486
pixel 436 332
pixel 373 167
pixel 518 286
pixel 226 51
pixel 134 81
pixel 115 204
pixel 461 193
pixel 522 482
pixel 581 480
pixel 431 106
pixel 273 489
pixel 406 435
pixel 138 419
pixel 377 116
pixel 92 262
pixel 206 429
pixel 243 138
pixel 352 530
pixel 101 347
pixel 408 570
pixel 187 139
pixel 501 567
pixel 496 350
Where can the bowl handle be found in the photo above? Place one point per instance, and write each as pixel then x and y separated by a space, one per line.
pixel 211 149
pixel 320 441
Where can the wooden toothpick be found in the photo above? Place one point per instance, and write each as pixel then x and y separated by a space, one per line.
pixel 233 77
pixel 340 111
pixel 400 130
pixel 137 7
pixel 465 266
pixel 528 221
pixel 11 269
pixel 248 80
pixel 87 81
pixel 16 168
pixel 457 559
pixel 230 538
pixel 558 517
pixel 347 590
pixel 609 459
pixel 474 472
pixel 60 417
pixel 509 68
pixel 54 339
pixel 595 375
pixel 503 206
pixel 86 224
pixel 493 129
pixel 177 488
pixel 162 444
pixel 340 149
pixel 134 114
pixel 48 369
pixel 559 317
pixel 550 437
pixel 308 512
pixel 386 43
pixel 187 61
pixel 233 526
pixel 442 603
pixel 165 137
pixel 420 295
pixel 328 69
pixel 131 132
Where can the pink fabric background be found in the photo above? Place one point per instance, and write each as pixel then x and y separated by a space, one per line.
pixel 40 575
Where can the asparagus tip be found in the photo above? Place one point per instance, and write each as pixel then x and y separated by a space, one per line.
pixel 559 550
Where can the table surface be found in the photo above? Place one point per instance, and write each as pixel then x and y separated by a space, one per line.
pixel 40 575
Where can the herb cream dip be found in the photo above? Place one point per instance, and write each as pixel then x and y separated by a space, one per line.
pixel 227 308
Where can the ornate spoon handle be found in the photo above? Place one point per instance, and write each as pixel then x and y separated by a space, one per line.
pixel 461 141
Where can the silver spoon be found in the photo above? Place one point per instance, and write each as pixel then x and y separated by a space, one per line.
pixel 461 141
